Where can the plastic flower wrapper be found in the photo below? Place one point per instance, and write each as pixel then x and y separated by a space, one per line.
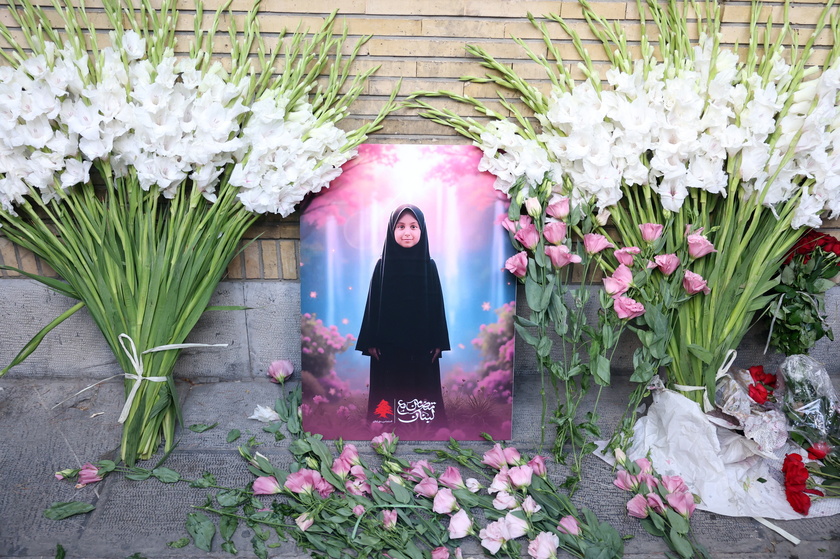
pixel 810 401
pixel 135 172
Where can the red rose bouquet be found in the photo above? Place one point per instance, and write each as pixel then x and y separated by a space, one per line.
pixel 798 317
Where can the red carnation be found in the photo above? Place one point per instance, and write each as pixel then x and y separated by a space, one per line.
pixel 758 393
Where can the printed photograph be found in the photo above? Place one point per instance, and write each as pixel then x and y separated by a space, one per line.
pixel 407 309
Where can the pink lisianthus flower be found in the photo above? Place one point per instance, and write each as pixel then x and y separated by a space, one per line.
pixel 350 454
pixel 561 256
pixel 385 443
pixel 528 236
pixel 533 206
pixel 428 487
pixel 594 243
pixel 420 469
pixel 460 525
pixel 644 465
pixel 89 474
pixel 280 370
pixel 625 255
pixel 473 485
pixel 389 519
pixel 618 283
pixel 445 501
pixel 512 456
pixel 555 232
pixel 517 264
pixel 495 457
pixel 648 480
pixel 359 510
pixel 544 546
pixel 651 231
pixel 504 500
pixel 683 503
pixel 699 245
pixel 530 506
pixel 304 521
pixel 694 283
pixel 266 485
pixel 537 464
pixel 452 479
pixel 637 506
pixel 520 476
pixel 654 501
pixel 516 527
pixel 558 208
pixel 501 482
pixel 674 484
pixel 509 225
pixel 493 536
pixel 667 263
pixel 627 308
pixel 440 553
pixel 624 480
pixel 569 525
pixel 341 467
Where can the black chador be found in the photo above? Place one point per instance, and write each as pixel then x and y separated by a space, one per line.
pixel 404 328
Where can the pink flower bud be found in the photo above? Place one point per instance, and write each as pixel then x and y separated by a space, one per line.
pixel 266 485
pixel 451 478
pixel 359 510
pixel 651 231
pixel 389 519
pixel 569 525
pixel 89 474
pixel 445 501
pixel 533 207
pixel 537 464
pixel 304 521
pixel 279 371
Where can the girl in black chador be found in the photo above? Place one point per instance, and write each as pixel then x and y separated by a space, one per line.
pixel 404 328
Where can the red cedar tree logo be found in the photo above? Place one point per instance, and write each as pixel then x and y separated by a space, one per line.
pixel 383 410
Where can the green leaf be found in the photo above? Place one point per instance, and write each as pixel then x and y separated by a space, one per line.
pixel 59 552
pixel 544 347
pixel 166 475
pixel 139 474
pixel 233 435
pixel 228 526
pixel 529 338
pixel 259 548
pixel 201 529
pixel 601 370
pixel 651 528
pixel 60 511
pixel 178 544
pixel 680 544
pixel 700 353
pixel 677 521
pixel 229 547
pixel 402 494
pixel 522 321
pixel 534 295
pixel 823 285
pixel 231 497
pixel 36 340
pixel 201 427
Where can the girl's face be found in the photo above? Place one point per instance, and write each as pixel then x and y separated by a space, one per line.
pixel 407 232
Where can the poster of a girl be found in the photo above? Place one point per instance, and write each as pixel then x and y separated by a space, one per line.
pixel 404 328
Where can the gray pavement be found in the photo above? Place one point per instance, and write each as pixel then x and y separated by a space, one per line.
pixel 223 386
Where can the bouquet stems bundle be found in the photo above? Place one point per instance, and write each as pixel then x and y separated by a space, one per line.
pixel 186 156
pixel 736 147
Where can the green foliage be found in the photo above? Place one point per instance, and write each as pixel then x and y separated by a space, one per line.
pixel 60 511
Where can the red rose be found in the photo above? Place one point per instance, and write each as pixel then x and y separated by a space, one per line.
pixel 818 451
pixel 756 372
pixel 796 474
pixel 800 502
pixel 758 393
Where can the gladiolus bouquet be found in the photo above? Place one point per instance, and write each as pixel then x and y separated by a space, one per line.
pixel 739 144
pixel 186 155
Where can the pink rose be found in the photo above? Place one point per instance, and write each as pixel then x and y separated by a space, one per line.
pixel 544 546
pixel 555 232
pixel 561 256
pixel 637 507
pixel 627 308
pixel 520 476
pixel 304 521
pixel 625 255
pixel 694 283
pixel 537 464
pixel 698 245
pixel 452 478
pixel 618 283
pixel 528 236
pixel 504 500
pixel 517 264
pixel 594 243
pixel 428 487
pixel 559 208
pixel 651 231
pixel 683 503
pixel 460 525
pixel 667 263
pixel 569 525
pixel 440 553
pixel 279 371
pixel 445 501
pixel 389 519
pixel 266 485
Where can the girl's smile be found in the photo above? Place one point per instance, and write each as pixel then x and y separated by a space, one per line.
pixel 407 232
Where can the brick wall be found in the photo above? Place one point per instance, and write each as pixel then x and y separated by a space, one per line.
pixel 421 42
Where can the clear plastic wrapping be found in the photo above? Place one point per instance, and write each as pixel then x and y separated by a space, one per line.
pixel 810 400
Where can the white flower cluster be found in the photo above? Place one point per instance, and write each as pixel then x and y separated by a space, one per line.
pixel 168 122
pixel 680 129
pixel 289 154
